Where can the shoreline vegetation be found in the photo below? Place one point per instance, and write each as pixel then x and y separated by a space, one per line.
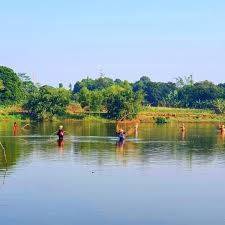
pixel 107 100
pixel 146 115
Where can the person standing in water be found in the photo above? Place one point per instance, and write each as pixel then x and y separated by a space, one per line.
pixel 136 130
pixel 222 129
pixel 60 134
pixel 15 128
pixel 121 135
pixel 183 128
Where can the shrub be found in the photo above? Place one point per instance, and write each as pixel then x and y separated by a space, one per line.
pixel 218 106
pixel 48 102
pixel 161 120
pixel 122 103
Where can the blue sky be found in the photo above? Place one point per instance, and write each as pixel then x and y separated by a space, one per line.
pixel 64 41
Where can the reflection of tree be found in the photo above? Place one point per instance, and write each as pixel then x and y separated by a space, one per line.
pixel 201 144
pixel 14 150
pixel 96 143
pixel 104 152
pixel 165 143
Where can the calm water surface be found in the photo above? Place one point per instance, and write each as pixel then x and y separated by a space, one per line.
pixel 160 177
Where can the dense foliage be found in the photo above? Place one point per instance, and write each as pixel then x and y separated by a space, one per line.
pixel 47 102
pixel 122 102
pixel 11 88
pixel 184 92
pixel 119 99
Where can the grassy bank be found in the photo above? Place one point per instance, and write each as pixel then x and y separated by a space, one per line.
pixel 147 115
pixel 14 112
pixel 150 114
pixel 74 113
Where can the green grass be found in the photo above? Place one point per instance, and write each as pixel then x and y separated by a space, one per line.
pixel 149 114
pixel 176 110
pixel 14 117
pixel 95 119
pixel 14 112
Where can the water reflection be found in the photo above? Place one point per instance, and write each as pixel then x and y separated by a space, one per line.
pixel 96 142
pixel 90 173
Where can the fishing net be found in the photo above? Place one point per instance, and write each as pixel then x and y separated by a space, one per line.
pixel 128 126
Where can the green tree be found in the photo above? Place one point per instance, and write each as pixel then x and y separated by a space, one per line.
pixel 84 97
pixel 155 93
pixel 171 100
pixel 199 95
pixel 141 84
pixel 118 81
pixel 103 82
pixel 122 102
pixel 91 99
pixel 28 86
pixel 84 83
pixel 184 81
pixel 222 90
pixel 97 84
pixel 1 85
pixel 11 86
pixel 219 106
pixel 48 102
pixel 97 99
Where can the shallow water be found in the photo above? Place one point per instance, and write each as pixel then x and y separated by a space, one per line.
pixel 160 177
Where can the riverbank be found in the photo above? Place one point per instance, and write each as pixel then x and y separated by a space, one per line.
pixel 14 112
pixel 147 115
pixel 150 114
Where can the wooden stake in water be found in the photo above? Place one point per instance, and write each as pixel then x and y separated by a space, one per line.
pixel 4 152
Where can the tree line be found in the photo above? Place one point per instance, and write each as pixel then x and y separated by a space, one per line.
pixel 118 98
pixel 183 93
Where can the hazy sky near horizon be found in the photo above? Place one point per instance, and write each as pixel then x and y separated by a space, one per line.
pixel 64 41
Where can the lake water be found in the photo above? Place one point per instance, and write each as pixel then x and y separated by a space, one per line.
pixel 160 177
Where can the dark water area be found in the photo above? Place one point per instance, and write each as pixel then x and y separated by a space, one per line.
pixel 159 177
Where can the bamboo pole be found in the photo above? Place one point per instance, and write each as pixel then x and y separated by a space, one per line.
pixel 4 152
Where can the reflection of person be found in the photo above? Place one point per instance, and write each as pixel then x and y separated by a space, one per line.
pixel 120 148
pixel 183 131
pixel 60 143
pixel 120 144
pixel 183 135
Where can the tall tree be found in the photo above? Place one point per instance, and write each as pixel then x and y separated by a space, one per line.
pixel 48 102
pixel 11 86
pixel 122 102
pixel 28 86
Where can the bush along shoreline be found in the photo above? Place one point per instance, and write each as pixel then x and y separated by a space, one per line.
pixel 105 99
pixel 159 115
